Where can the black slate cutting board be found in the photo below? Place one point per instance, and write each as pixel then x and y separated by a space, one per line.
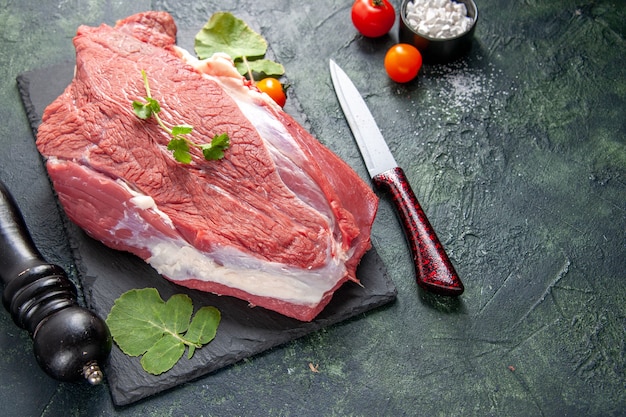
pixel 244 331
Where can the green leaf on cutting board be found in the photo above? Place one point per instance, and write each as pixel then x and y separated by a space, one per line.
pixel 142 324
pixel 230 35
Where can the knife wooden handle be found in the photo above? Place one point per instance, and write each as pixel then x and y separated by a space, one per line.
pixel 435 272
pixel 69 341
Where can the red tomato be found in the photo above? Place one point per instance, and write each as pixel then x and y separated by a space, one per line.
pixel 273 88
pixel 373 18
pixel 403 62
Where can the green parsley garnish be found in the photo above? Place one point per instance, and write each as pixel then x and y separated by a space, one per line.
pixel 179 144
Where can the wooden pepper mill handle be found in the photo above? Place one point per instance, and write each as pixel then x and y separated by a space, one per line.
pixel 69 342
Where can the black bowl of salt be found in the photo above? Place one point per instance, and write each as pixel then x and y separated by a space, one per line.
pixel 442 30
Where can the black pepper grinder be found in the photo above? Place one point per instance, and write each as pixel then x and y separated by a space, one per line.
pixel 69 342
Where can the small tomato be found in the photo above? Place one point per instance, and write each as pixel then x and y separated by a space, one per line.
pixel 373 18
pixel 403 62
pixel 273 88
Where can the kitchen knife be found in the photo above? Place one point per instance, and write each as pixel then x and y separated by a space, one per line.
pixel 435 272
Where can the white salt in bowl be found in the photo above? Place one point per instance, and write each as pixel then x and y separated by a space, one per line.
pixel 438 39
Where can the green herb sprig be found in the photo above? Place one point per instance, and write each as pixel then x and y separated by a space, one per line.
pixel 179 144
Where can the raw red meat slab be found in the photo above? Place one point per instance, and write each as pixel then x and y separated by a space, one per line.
pixel 280 222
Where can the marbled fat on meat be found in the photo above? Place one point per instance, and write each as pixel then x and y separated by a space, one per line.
pixel 281 221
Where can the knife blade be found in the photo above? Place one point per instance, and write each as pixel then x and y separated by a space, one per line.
pixel 434 270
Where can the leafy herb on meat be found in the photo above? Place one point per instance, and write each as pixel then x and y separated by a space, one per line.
pixel 142 324
pixel 228 34
pixel 179 144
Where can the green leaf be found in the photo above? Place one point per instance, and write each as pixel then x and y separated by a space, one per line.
pixel 146 110
pixel 176 313
pixel 141 323
pixel 163 355
pixel 153 104
pixel 180 150
pixel 135 322
pixel 203 327
pixel 211 154
pixel 260 66
pixel 142 110
pixel 181 130
pixel 221 141
pixel 215 149
pixel 226 33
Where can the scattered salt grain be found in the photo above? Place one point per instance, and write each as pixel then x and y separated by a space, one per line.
pixel 461 94
pixel 439 19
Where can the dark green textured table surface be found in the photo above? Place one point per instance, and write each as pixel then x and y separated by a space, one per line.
pixel 518 155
